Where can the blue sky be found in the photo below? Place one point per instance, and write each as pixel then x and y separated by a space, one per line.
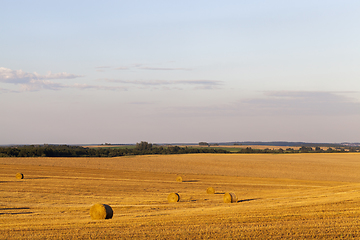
pixel 79 72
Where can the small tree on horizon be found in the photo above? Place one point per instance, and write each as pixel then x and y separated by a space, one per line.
pixel 144 146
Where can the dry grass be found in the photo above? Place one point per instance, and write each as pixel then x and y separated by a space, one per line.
pixel 309 196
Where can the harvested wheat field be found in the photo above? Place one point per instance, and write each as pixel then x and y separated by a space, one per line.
pixel 293 196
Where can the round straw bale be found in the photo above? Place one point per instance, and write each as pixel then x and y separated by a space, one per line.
pixel 179 179
pixel 100 211
pixel 210 190
pixel 173 198
pixel 19 176
pixel 230 198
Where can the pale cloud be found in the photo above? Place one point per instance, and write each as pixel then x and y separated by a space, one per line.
pixel 122 68
pixel 34 81
pixel 198 84
pixel 20 77
pixel 36 85
pixel 139 66
pixel 142 67
pixel 165 69
pixel 138 82
pixel 96 87
pixel 202 84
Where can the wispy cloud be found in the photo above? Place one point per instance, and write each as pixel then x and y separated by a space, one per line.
pixel 164 69
pixel 36 82
pixel 122 68
pixel 20 77
pixel 198 84
pixel 96 87
pixel 36 85
pixel 140 66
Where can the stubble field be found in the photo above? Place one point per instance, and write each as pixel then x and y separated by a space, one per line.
pixel 279 196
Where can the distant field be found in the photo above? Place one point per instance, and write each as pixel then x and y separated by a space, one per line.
pixel 293 196
pixel 110 146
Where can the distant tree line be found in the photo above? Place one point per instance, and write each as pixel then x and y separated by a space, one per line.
pixel 142 148
pixel 204 144
pixel 291 144
pixel 303 149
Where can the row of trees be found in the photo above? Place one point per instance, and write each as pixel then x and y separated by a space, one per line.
pixel 142 148
pixel 303 149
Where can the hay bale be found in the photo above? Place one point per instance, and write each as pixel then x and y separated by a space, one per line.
pixel 20 176
pixel 230 198
pixel 179 179
pixel 173 198
pixel 100 211
pixel 210 190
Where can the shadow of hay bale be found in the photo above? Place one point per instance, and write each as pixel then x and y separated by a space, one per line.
pixel 37 177
pixel 21 208
pixel 20 213
pixel 12 209
pixel 247 200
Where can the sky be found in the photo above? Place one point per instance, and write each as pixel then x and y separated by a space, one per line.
pixel 92 72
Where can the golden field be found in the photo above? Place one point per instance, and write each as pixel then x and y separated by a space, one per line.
pixel 293 196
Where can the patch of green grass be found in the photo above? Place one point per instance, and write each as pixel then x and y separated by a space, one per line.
pixel 118 146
